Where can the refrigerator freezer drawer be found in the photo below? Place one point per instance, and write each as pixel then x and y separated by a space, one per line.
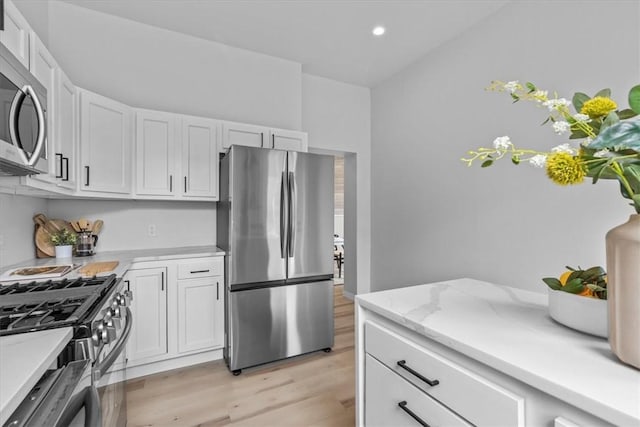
pixel 272 323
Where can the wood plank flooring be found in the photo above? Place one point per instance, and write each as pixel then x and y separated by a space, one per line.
pixel 316 389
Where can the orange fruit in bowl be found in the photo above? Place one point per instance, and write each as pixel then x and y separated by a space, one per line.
pixel 586 292
pixel 564 277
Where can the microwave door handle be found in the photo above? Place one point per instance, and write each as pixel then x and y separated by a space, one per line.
pixel 18 99
pixel 88 399
pixel 106 363
pixel 41 125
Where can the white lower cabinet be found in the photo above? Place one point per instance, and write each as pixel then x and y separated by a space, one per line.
pixel 178 313
pixel 148 339
pixel 200 314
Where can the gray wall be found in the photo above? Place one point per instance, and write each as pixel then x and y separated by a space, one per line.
pixel 17 228
pixel 433 218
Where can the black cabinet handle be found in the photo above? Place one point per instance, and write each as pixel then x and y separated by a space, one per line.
pixel 199 271
pixel 66 168
pixel 162 288
pixel 59 155
pixel 403 365
pixel 403 406
pixel 262 139
pixel 128 285
pixel 217 291
pixel 170 183
pixel 185 184
pixel 86 184
pixel 273 140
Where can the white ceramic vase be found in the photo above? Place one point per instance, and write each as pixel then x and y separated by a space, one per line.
pixel 64 251
pixel 623 284
pixel 578 312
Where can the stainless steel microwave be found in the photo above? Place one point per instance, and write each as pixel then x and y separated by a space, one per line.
pixel 23 128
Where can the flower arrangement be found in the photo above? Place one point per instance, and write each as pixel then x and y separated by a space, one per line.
pixel 64 237
pixel 607 138
pixel 590 283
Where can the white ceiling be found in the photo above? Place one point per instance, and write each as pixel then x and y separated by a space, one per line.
pixel 330 38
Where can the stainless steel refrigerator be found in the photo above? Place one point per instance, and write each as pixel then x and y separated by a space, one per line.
pixel 275 221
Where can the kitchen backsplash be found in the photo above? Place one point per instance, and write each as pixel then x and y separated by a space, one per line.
pixel 127 224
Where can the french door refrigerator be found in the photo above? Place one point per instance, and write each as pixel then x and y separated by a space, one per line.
pixel 275 222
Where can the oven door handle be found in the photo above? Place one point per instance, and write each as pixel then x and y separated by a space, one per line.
pixel 90 401
pixel 106 363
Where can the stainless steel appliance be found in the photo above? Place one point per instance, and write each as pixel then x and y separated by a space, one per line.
pixel 86 242
pixel 79 390
pixel 23 101
pixel 275 221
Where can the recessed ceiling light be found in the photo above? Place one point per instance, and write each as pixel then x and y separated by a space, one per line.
pixel 378 31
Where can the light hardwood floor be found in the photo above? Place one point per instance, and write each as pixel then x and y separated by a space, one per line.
pixel 316 389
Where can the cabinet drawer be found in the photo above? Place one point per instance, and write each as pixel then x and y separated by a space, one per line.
pixel 461 390
pixel 384 393
pixel 201 267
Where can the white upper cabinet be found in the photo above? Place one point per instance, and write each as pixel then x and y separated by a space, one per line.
pixel 15 36
pixel 66 131
pixel 291 140
pixel 176 156
pixel 200 157
pixel 244 134
pixel 263 137
pixel 43 66
pixel 155 153
pixel 106 136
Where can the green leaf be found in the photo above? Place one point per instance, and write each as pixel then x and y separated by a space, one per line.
pixel 596 288
pixel 531 87
pixel 606 93
pixel 486 163
pixel 515 97
pixel 515 160
pixel 619 135
pixel 574 286
pixel 553 283
pixel 579 99
pixel 634 98
pixel 636 202
pixel 578 134
pixel 626 114
pixel 611 119
pixel 632 173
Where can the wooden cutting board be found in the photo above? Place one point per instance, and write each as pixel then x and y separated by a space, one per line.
pixel 44 247
pixel 98 267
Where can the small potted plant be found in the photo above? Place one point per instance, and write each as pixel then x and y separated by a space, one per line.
pixel 64 240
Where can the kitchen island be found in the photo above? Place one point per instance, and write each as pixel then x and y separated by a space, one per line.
pixel 480 353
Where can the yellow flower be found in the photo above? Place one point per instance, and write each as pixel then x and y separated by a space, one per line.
pixel 598 107
pixel 564 169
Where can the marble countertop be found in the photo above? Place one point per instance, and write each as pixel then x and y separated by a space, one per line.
pixel 510 330
pixel 125 258
pixel 23 360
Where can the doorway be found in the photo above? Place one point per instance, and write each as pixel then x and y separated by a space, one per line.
pixel 338 221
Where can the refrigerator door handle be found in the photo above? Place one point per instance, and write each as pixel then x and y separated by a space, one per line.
pixel 282 215
pixel 292 214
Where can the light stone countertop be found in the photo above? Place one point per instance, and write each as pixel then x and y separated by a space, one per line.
pixel 25 357
pixel 125 258
pixel 510 330
pixel 23 360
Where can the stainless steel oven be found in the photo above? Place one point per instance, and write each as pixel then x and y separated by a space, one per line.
pixel 82 389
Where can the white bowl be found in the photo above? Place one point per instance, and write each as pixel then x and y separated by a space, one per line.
pixel 581 313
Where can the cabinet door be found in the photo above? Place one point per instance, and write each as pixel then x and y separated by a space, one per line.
pixel 243 134
pixel 105 144
pixel 282 139
pixel 43 66
pixel 199 158
pixel 155 152
pixel 66 130
pixel 149 308
pixel 200 314
pixel 15 36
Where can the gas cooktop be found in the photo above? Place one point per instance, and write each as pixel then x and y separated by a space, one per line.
pixel 26 307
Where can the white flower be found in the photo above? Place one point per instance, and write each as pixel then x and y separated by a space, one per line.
pixel 564 148
pixel 502 142
pixel 512 86
pixel 554 104
pixel 602 153
pixel 539 160
pixel 561 127
pixel 581 118
pixel 540 95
